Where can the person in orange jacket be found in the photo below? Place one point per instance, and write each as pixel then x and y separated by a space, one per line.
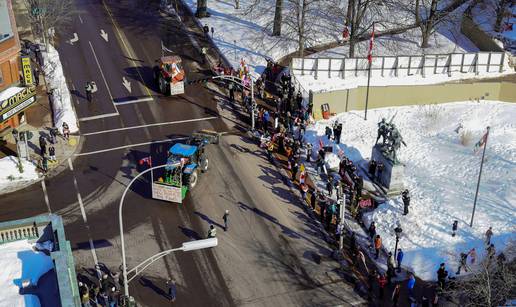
pixel 377 245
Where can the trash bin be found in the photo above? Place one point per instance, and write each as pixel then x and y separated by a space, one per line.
pixel 325 108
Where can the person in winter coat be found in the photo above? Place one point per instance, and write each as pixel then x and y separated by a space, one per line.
pixel 225 218
pixel 372 231
pixel 43 145
pixel 212 232
pixel 172 290
pixel 406 201
pixel 372 169
pixel 231 88
pixel 489 234
pixel 382 281
pixel 399 259
pixel 395 295
pixel 371 277
pixel 377 245
pixel 410 285
pixel 328 132
pixel 52 153
pixel 491 251
pixel 472 256
pixel 266 118
pixel 390 267
pixel 462 263
pixel 441 276
pixel 313 200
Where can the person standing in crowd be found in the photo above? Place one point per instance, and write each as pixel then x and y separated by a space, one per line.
pixel 454 228
pixel 399 259
pixel 410 285
pixel 395 295
pixel 382 282
pixel 379 171
pixel 441 276
pixel 328 132
pixel 171 290
pixel 372 231
pixel 53 135
pixel 489 234
pixel 472 256
pixel 372 169
pixel 66 131
pixel 462 263
pixel 377 246
pixel 313 200
pixel 231 89
pixel 225 218
pixel 42 145
pixel 89 90
pixel 52 153
pixel 371 277
pixel 84 291
pixel 390 267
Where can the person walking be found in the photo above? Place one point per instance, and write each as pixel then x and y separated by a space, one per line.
pixel 410 286
pixel 441 276
pixel 382 282
pixel 89 90
pixel 489 234
pixel 395 295
pixel 406 201
pixel 399 259
pixel 377 246
pixel 171 290
pixel 225 217
pixel 212 232
pixel 462 263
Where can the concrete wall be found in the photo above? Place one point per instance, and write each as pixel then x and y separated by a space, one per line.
pixel 388 96
pixel 483 41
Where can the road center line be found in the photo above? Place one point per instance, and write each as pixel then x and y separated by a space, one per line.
pixel 102 74
pixel 128 146
pixel 151 125
pixel 45 194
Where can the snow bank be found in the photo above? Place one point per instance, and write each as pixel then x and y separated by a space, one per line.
pixel 441 175
pixel 19 262
pixel 10 176
pixel 62 103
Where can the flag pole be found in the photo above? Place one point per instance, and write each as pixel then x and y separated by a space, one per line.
pixel 370 60
pixel 479 176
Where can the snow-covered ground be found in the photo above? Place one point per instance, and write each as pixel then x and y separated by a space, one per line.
pixel 62 103
pixel 19 262
pixel 441 175
pixel 10 176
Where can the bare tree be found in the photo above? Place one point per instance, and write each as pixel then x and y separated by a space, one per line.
pixel 430 13
pixel 48 14
pixel 491 283
pixel 501 6
pixel 276 29
pixel 202 9
pixel 298 25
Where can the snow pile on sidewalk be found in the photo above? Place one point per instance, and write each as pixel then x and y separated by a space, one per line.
pixel 19 262
pixel 10 175
pixel 441 175
pixel 62 102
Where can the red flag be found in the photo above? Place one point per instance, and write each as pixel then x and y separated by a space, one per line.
pixel 146 160
pixel 321 145
pixel 370 54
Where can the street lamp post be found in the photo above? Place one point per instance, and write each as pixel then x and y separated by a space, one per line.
pixel 187 246
pixel 398 232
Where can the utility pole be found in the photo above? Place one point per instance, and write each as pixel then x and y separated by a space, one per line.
pixel 479 176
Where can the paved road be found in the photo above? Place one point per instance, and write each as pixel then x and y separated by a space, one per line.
pixel 255 263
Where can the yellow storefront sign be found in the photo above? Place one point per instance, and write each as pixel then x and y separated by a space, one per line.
pixel 27 70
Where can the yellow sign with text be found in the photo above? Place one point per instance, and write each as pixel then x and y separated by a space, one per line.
pixel 27 70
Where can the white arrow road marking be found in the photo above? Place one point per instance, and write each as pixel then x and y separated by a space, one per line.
pixel 127 84
pixel 104 34
pixel 74 39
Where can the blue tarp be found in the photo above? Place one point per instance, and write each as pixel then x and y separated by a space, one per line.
pixel 183 150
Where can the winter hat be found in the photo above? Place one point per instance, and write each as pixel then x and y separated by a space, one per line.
pixel 80 284
pixel 227 211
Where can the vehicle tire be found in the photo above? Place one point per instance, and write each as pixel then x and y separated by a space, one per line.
pixel 192 180
pixel 204 164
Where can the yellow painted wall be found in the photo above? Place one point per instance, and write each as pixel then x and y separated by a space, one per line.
pixel 388 96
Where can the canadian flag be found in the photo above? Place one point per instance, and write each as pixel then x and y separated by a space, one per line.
pixel 371 41
pixel 321 145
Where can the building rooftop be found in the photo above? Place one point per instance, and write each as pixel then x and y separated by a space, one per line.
pixel 6 29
